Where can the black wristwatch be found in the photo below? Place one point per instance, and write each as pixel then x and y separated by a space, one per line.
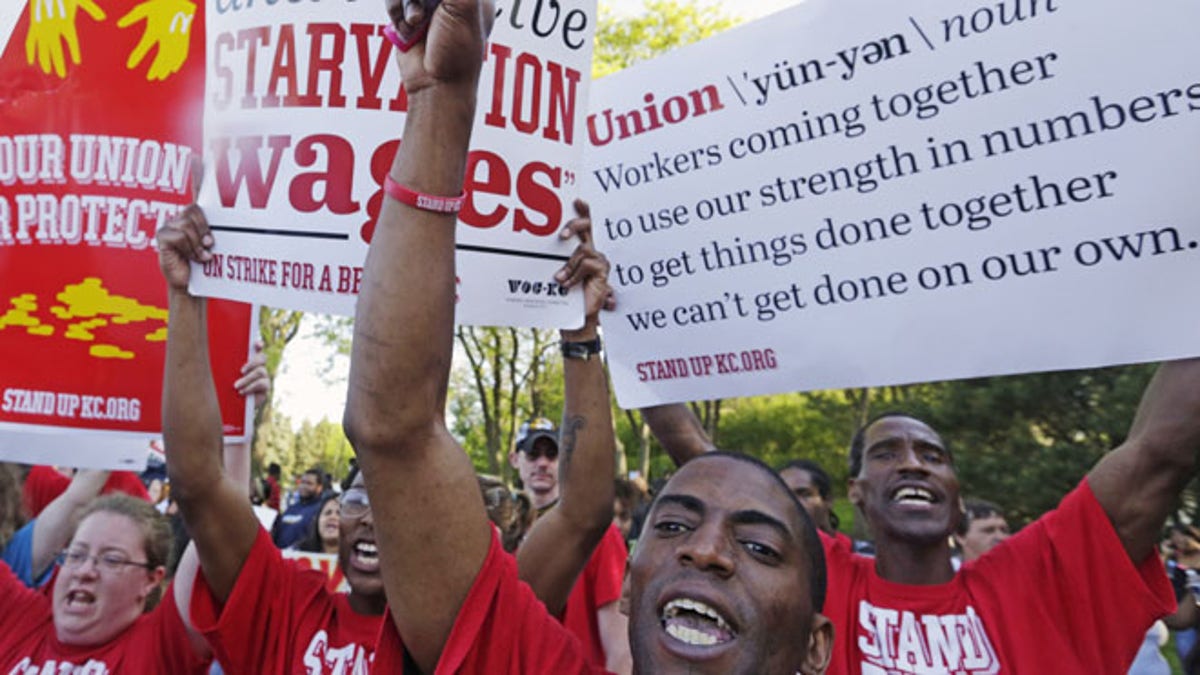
pixel 583 350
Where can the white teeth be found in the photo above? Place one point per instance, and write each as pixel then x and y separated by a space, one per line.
pixel 909 494
pixel 674 607
pixel 690 636
pixel 80 597
pixel 366 549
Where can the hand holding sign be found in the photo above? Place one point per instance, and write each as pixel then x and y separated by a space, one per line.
pixel 184 239
pixel 255 380
pixel 587 267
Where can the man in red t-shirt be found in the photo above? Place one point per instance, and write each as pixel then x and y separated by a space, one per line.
pixel 259 612
pixel 726 578
pixel 1072 593
pixel 262 614
pixel 592 612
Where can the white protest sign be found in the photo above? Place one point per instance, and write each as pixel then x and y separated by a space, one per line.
pixel 303 115
pixel 866 192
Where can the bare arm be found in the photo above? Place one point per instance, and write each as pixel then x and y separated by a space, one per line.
pixel 55 524
pixel 433 531
pixel 1138 483
pixel 254 382
pixel 678 431
pixel 215 509
pixel 560 543
pixel 614 637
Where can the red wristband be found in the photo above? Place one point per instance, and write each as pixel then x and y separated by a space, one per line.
pixel 420 200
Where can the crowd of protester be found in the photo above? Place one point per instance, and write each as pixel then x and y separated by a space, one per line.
pixel 728 566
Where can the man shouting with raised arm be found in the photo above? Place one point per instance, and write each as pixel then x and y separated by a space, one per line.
pixel 1072 593
pixel 729 578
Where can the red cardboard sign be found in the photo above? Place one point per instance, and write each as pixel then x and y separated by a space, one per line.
pixel 99 122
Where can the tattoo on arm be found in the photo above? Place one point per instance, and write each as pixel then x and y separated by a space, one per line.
pixel 570 436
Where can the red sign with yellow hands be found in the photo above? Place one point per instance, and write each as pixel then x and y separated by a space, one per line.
pixel 99 120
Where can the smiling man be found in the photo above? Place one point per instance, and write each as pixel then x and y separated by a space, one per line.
pixel 1030 605
pixel 727 535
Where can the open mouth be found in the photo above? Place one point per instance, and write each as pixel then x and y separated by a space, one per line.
pixel 80 599
pixel 365 556
pixel 695 623
pixel 910 495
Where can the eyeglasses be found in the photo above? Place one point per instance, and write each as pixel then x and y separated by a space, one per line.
pixel 354 502
pixel 109 561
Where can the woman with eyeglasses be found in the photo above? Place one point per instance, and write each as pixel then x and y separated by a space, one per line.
pixel 103 614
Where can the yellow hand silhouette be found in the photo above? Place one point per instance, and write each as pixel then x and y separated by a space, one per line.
pixel 50 23
pixel 169 25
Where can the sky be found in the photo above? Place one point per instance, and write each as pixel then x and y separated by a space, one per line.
pixel 301 392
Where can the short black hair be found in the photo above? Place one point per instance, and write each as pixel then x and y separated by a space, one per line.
pixel 818 475
pixel 808 531
pixel 274 469
pixel 859 439
pixel 974 509
pixel 820 478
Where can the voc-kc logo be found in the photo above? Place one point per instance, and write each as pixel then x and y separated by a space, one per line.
pixel 168 29
pixel 84 310
pixel 540 288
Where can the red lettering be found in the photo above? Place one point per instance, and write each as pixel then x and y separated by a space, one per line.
pixel 539 198
pixel 249 171
pixel 331 64
pixel 283 68
pixel 370 74
pixel 495 116
pixel 249 39
pixel 535 85
pixel 222 45
pixel 487 173
pixel 562 104
pixel 338 177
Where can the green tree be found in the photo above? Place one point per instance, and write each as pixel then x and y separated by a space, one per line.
pixel 274 441
pixel 511 379
pixel 323 444
pixel 277 327
pixel 1025 441
pixel 662 26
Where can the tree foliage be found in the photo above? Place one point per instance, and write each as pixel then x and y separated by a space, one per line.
pixel 1025 441
pixel 661 27
pixel 504 378
pixel 277 327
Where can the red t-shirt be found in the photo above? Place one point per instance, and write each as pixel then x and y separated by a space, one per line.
pixel 45 483
pixel 156 643
pixel 281 618
pixel 272 495
pixel 1061 597
pixel 598 585
pixel 501 629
